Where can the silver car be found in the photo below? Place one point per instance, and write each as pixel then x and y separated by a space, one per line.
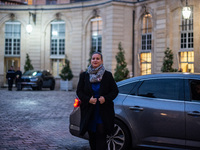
pixel 158 110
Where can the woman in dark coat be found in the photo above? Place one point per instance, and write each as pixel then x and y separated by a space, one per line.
pixel 97 90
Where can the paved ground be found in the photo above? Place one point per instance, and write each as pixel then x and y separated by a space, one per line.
pixel 37 120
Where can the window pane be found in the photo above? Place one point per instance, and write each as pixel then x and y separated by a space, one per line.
pixel 12 38
pixel 170 88
pixel 146 41
pixel 195 90
pixel 58 38
pixel 100 25
pixel 96 33
pixel 146 24
pixel 187 32
pixel 190 68
pixel 94 26
pixel 187 61
pixel 57 65
pixel 126 89
pixel 145 61
pixel 191 56
pixel 61 47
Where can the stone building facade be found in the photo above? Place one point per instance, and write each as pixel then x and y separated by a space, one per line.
pixel 145 29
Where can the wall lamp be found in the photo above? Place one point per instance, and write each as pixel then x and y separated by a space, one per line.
pixel 186 11
pixel 145 12
pixel 29 27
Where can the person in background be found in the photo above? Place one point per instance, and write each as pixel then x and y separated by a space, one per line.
pixel 97 89
pixel 10 76
pixel 18 75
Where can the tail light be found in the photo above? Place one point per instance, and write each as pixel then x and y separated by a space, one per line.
pixel 77 102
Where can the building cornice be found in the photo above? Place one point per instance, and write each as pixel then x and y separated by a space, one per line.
pixel 62 7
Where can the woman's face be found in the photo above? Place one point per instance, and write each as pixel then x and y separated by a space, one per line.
pixel 96 60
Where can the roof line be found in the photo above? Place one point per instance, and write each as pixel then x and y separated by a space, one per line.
pixel 75 7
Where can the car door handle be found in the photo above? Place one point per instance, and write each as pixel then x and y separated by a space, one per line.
pixel 136 108
pixel 194 113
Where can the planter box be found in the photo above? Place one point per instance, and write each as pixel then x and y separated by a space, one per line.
pixel 66 85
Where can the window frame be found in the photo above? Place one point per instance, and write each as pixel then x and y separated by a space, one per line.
pixel 131 90
pixel 57 53
pixel 57 42
pixel 14 43
pixel 96 45
pixel 146 31
pixel 186 40
pixel 181 90
pixel 186 62
pixel 146 63
pixel 146 44
pixel 59 65
pixel 187 28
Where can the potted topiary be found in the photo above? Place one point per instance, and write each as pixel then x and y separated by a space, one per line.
pixel 121 70
pixel 66 77
pixel 168 61
pixel 28 65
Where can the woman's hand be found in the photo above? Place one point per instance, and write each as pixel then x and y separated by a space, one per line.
pixel 101 100
pixel 93 100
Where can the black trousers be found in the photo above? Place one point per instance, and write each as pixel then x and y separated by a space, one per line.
pixel 10 84
pixel 97 139
pixel 18 84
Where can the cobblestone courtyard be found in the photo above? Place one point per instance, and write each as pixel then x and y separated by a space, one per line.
pixel 37 120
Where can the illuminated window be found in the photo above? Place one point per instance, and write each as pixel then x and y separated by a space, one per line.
pixel 187 61
pixel 96 32
pixel 29 2
pixel 146 45
pixel 12 38
pixel 146 32
pixel 145 63
pixel 57 65
pixel 187 44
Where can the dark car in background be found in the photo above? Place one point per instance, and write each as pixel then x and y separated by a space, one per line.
pixel 37 80
pixel 158 110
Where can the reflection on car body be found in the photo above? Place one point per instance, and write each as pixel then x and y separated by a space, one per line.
pixel 37 80
pixel 159 110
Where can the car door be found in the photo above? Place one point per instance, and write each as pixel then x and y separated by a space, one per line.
pixel 156 111
pixel 192 109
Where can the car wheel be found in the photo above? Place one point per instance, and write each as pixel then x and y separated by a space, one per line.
pixel 120 139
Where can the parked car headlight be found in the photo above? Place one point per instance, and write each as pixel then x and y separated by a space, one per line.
pixel 33 79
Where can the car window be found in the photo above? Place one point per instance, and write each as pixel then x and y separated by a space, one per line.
pixel 32 73
pixel 162 88
pixel 195 90
pixel 38 74
pixel 126 89
pixel 28 73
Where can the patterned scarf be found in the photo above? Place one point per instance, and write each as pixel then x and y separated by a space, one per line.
pixel 96 74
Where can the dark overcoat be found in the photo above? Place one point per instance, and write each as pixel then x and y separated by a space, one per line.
pixel 109 90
